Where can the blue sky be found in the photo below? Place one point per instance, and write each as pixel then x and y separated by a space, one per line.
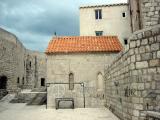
pixel 34 22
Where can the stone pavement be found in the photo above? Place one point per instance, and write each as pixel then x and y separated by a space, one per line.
pixel 20 111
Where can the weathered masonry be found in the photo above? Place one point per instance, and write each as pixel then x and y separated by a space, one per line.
pixel 79 60
pixel 19 68
pixel 144 13
pixel 132 81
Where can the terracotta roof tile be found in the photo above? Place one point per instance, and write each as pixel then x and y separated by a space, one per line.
pixel 74 44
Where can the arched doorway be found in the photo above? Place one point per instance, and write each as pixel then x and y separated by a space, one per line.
pixel 3 82
pixel 100 83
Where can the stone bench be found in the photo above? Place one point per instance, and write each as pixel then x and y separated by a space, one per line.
pixel 58 100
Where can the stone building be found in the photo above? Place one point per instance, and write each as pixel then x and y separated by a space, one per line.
pixel 19 67
pixel 113 19
pixel 79 60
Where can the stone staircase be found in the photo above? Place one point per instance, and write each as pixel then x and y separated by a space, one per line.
pixel 36 96
pixel 39 99
pixel 7 98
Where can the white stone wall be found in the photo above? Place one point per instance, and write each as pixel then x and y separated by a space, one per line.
pixel 85 68
pixel 112 22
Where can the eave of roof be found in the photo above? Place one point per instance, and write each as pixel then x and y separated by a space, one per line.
pixel 104 5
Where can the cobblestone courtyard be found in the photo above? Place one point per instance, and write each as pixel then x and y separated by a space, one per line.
pixel 20 111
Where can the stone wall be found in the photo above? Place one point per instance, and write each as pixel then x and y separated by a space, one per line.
pixel 11 59
pixel 14 62
pixel 36 67
pixel 132 81
pixel 150 10
pixel 144 13
pixel 85 67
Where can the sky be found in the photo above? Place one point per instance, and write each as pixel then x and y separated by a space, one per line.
pixel 34 22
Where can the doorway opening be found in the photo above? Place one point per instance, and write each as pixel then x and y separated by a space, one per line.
pixel 3 82
pixel 42 81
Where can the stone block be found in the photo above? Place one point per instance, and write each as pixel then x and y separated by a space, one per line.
pixel 146 56
pixel 154 63
pixel 132 44
pixel 133 58
pixel 158 54
pixel 142 49
pixel 138 43
pixel 136 113
pixel 132 66
pixel 148 49
pixel 139 36
pixel 152 70
pixel 151 40
pixel 140 86
pixel 155 47
pixel 148 5
pixel 158 38
pixel 138 106
pixel 138 57
pixel 143 64
pixel 144 42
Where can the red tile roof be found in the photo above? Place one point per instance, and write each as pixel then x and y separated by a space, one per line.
pixel 74 44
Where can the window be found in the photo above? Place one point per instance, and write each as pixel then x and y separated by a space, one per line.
pixel 24 63
pixel 71 81
pixel 123 14
pixel 18 80
pixel 42 81
pixel 3 82
pixel 23 80
pixel 30 63
pixel 99 33
pixel 98 14
pixel 125 41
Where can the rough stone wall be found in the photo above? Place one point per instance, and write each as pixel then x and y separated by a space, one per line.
pixel 11 59
pixel 85 68
pixel 36 68
pixel 144 13
pixel 150 10
pixel 132 81
pixel 14 62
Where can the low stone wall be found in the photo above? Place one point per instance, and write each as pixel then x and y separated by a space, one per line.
pixel 132 81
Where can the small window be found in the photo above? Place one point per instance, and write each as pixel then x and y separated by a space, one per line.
pixel 42 81
pixel 98 14
pixel 23 80
pixel 30 63
pixel 18 80
pixel 24 63
pixel 125 41
pixel 99 33
pixel 123 14
pixel 71 81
